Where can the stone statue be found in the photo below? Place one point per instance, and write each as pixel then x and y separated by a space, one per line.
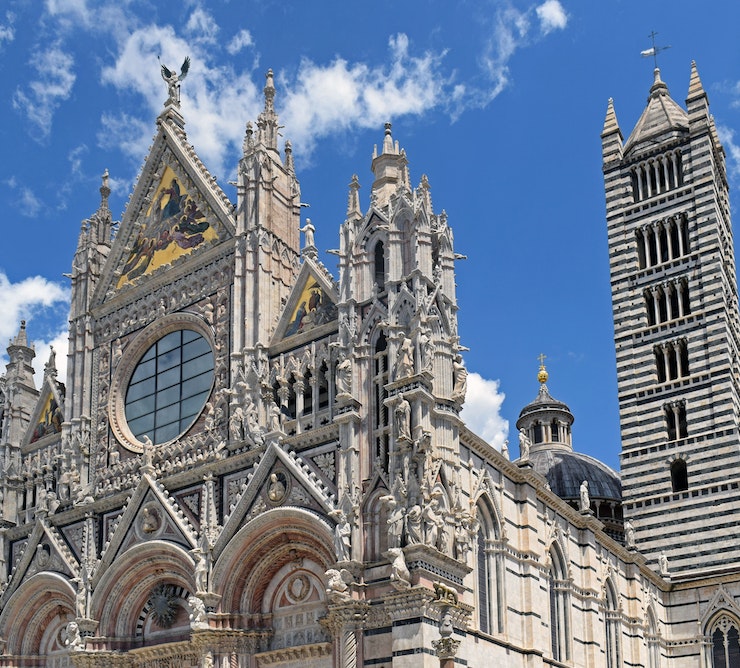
pixel 147 451
pixel 308 230
pixel 395 520
pixel 524 445
pixel 81 599
pixel 585 500
pixel 402 414
pixel 344 378
pixel 413 523
pixel 149 520
pixel 629 535
pixel 505 449
pixel 276 491
pixel 433 521
pixel 459 379
pixel 236 424
pixel 342 535
pixel 336 588
pixel 72 639
pixel 405 359
pixel 201 572
pixel 198 616
pixel 400 576
pixel 173 81
pixel 274 416
pixel 663 564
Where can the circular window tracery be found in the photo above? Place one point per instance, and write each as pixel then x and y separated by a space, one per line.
pixel 163 382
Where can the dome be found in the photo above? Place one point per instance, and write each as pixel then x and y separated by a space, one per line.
pixel 565 470
pixel 545 444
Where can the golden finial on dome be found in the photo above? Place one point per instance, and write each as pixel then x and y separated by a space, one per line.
pixel 542 374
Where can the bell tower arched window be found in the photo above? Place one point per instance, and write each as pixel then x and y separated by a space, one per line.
pixel 679 476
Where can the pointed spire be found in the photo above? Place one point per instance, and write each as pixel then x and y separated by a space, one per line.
pixel 388 140
pixel 289 164
pixel 697 101
pixel 353 201
pixel 268 119
pixel 21 340
pixel 695 86
pixel 248 142
pixel 611 135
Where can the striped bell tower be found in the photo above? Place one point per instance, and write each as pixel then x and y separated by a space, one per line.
pixel 676 332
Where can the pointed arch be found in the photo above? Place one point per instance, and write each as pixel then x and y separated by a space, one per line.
pixel 490 567
pixel 559 594
pixel 723 631
pixel 612 626
pixel 652 637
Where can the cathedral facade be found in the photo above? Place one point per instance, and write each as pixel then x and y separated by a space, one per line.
pixel 254 463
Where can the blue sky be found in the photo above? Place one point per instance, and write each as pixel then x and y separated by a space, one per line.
pixel 500 103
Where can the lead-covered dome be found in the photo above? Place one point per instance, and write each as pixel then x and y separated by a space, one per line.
pixel 545 439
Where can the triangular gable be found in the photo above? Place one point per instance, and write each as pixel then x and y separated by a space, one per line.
pixel 150 514
pixel 175 211
pixel 45 551
pixel 297 474
pixel 48 415
pixel 312 304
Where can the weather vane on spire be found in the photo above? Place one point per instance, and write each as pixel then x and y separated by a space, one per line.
pixel 654 50
pixel 173 79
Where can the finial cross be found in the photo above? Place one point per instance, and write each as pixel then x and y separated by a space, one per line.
pixel 653 50
pixel 542 358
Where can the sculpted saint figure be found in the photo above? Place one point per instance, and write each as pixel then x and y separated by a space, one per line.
pixel 402 413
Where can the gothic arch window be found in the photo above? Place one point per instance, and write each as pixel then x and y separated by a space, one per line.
pixel 323 385
pixel 612 627
pixel 653 644
pixel 490 572
pixel 375 521
pixel 558 587
pixel 725 643
pixel 380 410
pixel 679 476
pixel 379 265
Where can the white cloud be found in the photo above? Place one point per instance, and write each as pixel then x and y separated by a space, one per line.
pixel 7 30
pixel 727 137
pixel 60 341
pixel 40 98
pixel 30 205
pixel 39 302
pixel 240 41
pixel 552 16
pixel 201 27
pixel 24 199
pixel 342 95
pixel 511 30
pixel 482 410
pixel 216 101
